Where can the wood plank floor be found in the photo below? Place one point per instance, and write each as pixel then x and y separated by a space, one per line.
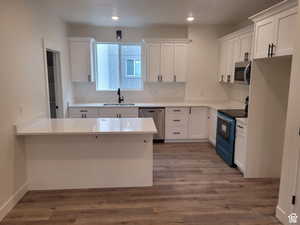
pixel 193 186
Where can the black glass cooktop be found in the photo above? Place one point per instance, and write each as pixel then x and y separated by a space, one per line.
pixel 234 113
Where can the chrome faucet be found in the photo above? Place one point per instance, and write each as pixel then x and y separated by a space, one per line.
pixel 121 98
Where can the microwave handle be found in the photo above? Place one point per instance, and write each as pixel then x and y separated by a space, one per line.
pixel 246 71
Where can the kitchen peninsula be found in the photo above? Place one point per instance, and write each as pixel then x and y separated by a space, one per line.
pixel 91 153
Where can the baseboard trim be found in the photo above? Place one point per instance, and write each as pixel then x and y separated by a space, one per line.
pixel 281 216
pixel 187 141
pixel 12 201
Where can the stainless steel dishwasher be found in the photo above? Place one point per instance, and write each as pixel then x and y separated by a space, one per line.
pixel 158 115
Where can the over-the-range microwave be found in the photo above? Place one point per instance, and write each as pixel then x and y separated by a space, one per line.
pixel 242 73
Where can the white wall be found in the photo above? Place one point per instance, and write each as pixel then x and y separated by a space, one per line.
pixel 238 92
pixel 203 64
pixel 291 143
pixel 267 116
pixel 22 84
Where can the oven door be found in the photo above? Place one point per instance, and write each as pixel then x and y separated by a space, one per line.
pixel 226 138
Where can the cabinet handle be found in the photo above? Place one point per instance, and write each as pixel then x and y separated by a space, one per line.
pixel 272 50
pixel 89 78
pixel 176 110
pixel 176 120
pixel 269 51
pixel 83 111
pixel 228 78
pixel 240 127
pixel 176 133
pixel 158 77
pixel 190 110
pixel 175 78
pixel 161 78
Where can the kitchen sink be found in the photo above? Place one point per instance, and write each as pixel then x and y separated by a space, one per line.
pixel 122 104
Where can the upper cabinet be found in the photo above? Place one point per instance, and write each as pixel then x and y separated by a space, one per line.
pixel 167 61
pixel 82 55
pixel 234 48
pixel 274 30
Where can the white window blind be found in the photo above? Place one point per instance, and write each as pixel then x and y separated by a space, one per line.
pixel 119 66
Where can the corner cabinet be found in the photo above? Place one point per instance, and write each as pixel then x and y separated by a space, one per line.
pixel 274 30
pixel 167 61
pixel 82 54
pixel 234 48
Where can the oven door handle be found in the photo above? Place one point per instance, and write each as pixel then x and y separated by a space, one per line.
pixel 246 71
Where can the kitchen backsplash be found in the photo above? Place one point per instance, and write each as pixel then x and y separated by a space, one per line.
pixel 153 92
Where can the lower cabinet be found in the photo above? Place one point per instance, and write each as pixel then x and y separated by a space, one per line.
pixel 212 125
pixel 186 123
pixel 241 145
pixel 83 112
pixel 116 112
pixel 198 123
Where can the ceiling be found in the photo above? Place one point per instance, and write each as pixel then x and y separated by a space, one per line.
pixel 135 13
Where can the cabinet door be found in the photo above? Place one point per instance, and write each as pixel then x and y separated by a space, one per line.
pixel 108 113
pixel 81 58
pixel 222 67
pixel 153 62
pixel 181 58
pixel 128 112
pixel 229 62
pixel 198 123
pixel 167 62
pixel 246 46
pixel 236 53
pixel 285 32
pixel 212 126
pixel 240 147
pixel 264 36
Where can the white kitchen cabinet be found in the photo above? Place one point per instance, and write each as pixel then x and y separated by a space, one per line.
pixel 274 30
pixel 181 60
pixel 186 123
pixel 264 36
pixel 82 54
pixel 176 123
pixel 212 125
pixel 83 112
pixel 153 62
pixel 233 48
pixel 241 145
pixel 223 60
pixel 117 112
pixel 197 128
pixel 246 41
pixel 285 32
pixel 167 62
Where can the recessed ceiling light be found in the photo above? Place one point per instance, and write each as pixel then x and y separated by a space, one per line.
pixel 190 18
pixel 115 18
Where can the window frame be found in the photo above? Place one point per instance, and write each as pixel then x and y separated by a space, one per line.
pixel 143 64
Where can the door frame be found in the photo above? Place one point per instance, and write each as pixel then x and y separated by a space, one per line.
pixel 51 46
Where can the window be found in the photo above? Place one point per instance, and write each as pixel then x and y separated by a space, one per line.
pixel 119 66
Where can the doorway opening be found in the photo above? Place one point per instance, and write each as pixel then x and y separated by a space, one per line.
pixel 54 84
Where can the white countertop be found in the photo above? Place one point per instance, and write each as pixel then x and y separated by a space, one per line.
pixel 213 104
pixel 88 126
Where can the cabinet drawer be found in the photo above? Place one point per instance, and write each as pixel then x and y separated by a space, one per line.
pixel 176 133
pixel 79 111
pixel 176 121
pixel 115 112
pixel 177 111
